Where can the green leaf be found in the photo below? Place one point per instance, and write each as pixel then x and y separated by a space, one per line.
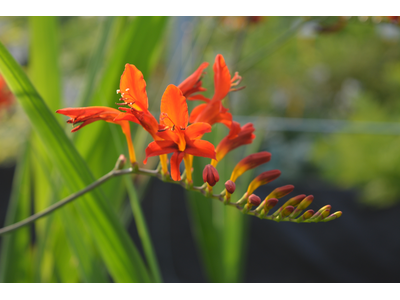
pixel 16 256
pixel 114 244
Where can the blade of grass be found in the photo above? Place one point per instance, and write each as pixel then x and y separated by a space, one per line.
pixel 16 251
pixel 141 224
pixel 116 248
pixel 95 64
pixel 44 64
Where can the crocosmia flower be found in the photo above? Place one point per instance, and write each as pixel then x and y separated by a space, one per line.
pixel 192 84
pixel 87 115
pixel 245 136
pixel 213 111
pixel 177 137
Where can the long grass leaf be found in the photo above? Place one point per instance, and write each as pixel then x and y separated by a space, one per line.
pixel 116 248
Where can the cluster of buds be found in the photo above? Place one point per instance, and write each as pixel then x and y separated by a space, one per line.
pixel 180 134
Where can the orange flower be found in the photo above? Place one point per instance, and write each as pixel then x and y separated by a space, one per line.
pixel 179 138
pixel 213 111
pixel 133 93
pixel 192 84
pixel 87 115
pixel 227 144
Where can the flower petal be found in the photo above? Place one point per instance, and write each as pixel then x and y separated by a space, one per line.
pixel 227 144
pixel 192 84
pixel 159 147
pixel 89 115
pixel 173 104
pixel 200 148
pixel 126 116
pixel 196 112
pixel 133 88
pixel 222 78
pixel 197 130
pixel 176 160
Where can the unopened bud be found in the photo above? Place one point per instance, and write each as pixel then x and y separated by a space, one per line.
pixel 267 205
pixel 230 186
pixel 308 214
pixel 333 216
pixel 210 175
pixel 303 205
pixel 324 208
pixel 286 211
pixel 254 200
pixel 262 179
pixel 121 161
pixel 281 191
pixel 291 202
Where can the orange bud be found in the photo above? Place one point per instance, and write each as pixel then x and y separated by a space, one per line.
pixel 262 179
pixel 210 175
pixel 282 191
pixel 230 186
pixel 250 162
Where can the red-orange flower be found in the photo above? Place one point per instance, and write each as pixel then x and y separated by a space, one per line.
pixel 213 111
pixel 87 115
pixel 192 84
pixel 133 93
pixel 179 138
pixel 245 136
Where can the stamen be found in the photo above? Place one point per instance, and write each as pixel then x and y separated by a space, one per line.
pixel 118 91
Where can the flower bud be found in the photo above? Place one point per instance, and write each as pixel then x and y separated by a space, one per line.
pixel 254 200
pixel 262 179
pixel 210 175
pixel 250 162
pixel 230 186
pixel 308 214
pixel 120 162
pixel 291 202
pixel 333 216
pixel 303 205
pixel 286 211
pixel 267 205
pixel 281 191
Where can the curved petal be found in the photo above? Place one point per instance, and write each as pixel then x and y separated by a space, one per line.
pixel 133 88
pixel 196 112
pixel 187 85
pixel 197 130
pixel 198 97
pixel 159 147
pixel 201 148
pixel 176 160
pixel 126 116
pixel 173 104
pixel 222 78
pixel 234 130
